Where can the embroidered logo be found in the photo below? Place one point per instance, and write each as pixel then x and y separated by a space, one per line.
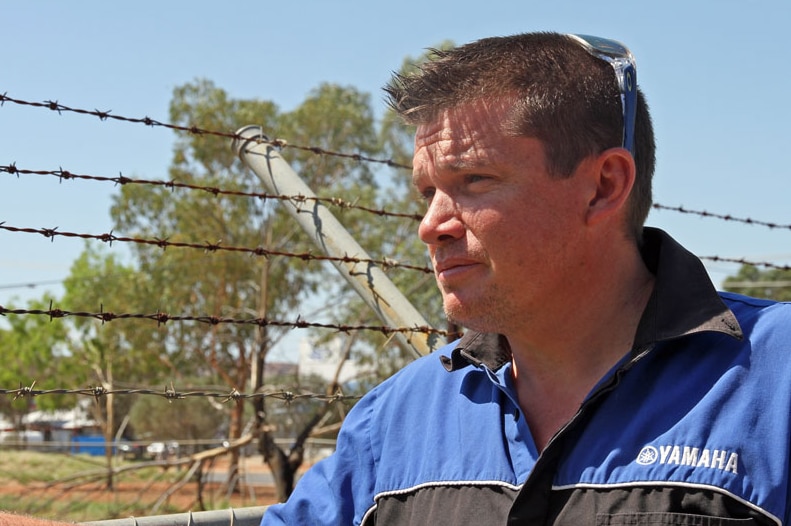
pixel 675 455
pixel 648 455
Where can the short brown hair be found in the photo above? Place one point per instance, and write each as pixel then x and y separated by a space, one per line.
pixel 562 95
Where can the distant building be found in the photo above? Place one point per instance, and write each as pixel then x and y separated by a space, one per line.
pixel 54 428
pixel 63 422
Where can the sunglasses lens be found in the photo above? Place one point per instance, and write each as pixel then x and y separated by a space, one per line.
pixel 622 61
pixel 604 46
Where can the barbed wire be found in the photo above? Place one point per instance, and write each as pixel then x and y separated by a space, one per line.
pixel 171 394
pixel 110 238
pixel 195 130
pixel 123 180
pixel 164 243
pixel 743 261
pixel 162 317
pixel 724 217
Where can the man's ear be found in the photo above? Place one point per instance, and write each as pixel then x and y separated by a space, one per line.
pixel 613 174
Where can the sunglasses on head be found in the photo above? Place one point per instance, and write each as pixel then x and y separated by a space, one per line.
pixel 622 61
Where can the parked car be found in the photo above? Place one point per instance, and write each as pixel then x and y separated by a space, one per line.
pixel 132 451
pixel 163 450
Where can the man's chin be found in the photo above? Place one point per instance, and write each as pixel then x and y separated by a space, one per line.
pixel 476 321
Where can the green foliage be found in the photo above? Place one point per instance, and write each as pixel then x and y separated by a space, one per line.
pixel 99 281
pixel 33 352
pixel 773 284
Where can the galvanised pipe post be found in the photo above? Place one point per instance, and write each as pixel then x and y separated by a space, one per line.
pixel 368 280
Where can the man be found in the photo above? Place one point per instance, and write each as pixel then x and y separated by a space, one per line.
pixel 602 380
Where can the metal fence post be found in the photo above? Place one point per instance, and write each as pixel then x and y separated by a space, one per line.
pixel 368 280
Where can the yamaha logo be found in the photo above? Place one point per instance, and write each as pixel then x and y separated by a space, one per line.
pixel 648 455
pixel 691 456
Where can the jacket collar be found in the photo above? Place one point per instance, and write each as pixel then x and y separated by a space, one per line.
pixel 683 302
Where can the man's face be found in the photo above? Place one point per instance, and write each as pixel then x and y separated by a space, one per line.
pixel 499 229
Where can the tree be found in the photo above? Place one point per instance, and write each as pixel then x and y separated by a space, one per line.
pixel 98 350
pixel 227 284
pixel 33 353
pixel 773 284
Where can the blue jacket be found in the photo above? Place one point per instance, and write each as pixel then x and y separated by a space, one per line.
pixel 692 427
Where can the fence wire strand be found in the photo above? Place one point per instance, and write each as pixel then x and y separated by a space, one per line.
pixel 171 394
pixel 195 130
pixel 209 247
pixel 164 243
pixel 162 317
pixel 66 175
pixel 724 217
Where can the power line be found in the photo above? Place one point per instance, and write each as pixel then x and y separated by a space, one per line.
pixel 31 285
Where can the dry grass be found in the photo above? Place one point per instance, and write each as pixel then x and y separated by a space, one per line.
pixel 75 488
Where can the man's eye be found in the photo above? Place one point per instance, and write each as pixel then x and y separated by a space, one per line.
pixel 428 193
pixel 475 178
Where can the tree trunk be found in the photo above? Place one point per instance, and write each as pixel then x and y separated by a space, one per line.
pixel 235 432
pixel 108 427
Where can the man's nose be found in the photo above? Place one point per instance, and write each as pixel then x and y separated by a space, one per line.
pixel 442 221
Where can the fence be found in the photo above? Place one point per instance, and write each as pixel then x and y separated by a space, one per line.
pixel 399 318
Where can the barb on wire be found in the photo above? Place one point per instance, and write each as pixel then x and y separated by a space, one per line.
pixel 162 318
pixel 62 174
pixel 171 394
pixel 111 238
pixel 193 130
pixel 724 217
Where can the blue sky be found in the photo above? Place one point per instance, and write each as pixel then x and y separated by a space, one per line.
pixel 715 73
